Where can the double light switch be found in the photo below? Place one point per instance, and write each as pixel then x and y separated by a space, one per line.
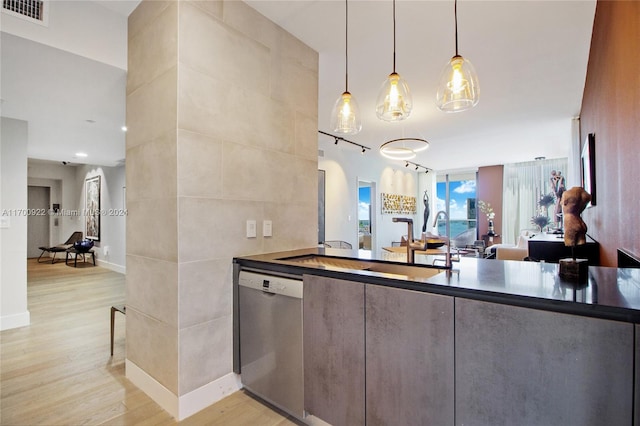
pixel 252 231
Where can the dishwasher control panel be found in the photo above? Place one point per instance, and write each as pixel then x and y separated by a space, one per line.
pixel 271 284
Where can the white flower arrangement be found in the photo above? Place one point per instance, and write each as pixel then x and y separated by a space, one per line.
pixel 486 209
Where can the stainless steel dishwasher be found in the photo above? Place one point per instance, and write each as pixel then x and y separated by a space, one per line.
pixel 270 329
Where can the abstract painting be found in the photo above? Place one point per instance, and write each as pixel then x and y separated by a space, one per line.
pixel 92 208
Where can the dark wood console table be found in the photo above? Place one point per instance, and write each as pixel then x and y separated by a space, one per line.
pixel 490 240
pixel 551 248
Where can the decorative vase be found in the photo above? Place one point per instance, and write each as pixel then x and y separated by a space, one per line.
pixel 83 246
pixel 491 230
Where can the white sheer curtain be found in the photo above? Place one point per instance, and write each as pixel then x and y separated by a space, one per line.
pixel 524 184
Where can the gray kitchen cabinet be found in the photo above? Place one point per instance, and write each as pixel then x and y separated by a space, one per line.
pixel 334 360
pixel 523 366
pixel 409 351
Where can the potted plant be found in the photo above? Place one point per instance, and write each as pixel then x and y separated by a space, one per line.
pixel 542 218
pixel 540 221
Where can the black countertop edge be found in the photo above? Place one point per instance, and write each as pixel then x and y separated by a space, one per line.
pixel 560 306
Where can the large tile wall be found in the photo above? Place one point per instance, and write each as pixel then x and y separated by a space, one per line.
pixel 222 117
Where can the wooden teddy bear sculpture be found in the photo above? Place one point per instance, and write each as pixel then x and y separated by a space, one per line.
pixel 574 202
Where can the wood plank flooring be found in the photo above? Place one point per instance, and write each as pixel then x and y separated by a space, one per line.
pixel 58 370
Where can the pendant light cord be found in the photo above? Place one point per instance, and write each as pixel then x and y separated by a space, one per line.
pixel 346 45
pixel 394 36
pixel 455 14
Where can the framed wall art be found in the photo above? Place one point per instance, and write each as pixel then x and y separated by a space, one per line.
pixel 588 167
pixel 395 203
pixel 92 208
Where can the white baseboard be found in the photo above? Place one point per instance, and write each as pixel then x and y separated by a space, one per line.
pixel 7 322
pixel 113 266
pixel 315 421
pixel 208 394
pixel 161 395
pixel 186 405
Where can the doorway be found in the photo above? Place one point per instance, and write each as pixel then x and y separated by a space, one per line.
pixel 38 198
pixel 366 218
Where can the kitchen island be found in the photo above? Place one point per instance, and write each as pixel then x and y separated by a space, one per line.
pixel 488 342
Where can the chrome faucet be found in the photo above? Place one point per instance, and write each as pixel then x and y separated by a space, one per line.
pixel 411 245
pixel 447 262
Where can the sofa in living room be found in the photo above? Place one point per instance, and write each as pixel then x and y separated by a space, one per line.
pixel 519 251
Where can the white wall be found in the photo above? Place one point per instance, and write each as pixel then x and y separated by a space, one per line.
pixel 81 27
pixel 344 168
pixel 113 220
pixel 13 233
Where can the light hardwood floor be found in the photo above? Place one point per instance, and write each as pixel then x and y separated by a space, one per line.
pixel 58 370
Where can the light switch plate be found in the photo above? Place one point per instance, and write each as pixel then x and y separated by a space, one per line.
pixel 251 229
pixel 266 228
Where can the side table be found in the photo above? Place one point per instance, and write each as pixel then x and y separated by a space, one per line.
pixel 77 253
pixel 116 308
pixel 489 240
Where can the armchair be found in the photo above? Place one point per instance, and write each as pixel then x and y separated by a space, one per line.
pixel 520 251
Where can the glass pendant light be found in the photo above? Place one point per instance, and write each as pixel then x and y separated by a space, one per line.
pixel 458 89
pixel 394 99
pixel 345 116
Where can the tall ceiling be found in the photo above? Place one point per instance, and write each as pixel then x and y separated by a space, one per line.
pixel 72 104
pixel 531 57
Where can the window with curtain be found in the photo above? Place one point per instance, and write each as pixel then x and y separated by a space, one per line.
pixel 524 185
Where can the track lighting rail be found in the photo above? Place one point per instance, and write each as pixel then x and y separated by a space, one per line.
pixel 340 138
pixel 417 166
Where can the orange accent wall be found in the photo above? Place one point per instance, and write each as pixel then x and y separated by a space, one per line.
pixel 489 189
pixel 611 110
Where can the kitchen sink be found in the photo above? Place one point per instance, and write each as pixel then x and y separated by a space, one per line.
pixel 324 262
pixel 328 262
pixel 408 270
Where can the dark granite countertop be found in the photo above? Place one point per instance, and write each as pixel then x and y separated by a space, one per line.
pixel 610 293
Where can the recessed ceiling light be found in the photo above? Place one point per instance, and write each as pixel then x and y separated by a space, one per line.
pixel 90 121
pixel 81 154
pixel 124 128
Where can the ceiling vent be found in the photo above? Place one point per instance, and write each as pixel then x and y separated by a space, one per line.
pixel 30 10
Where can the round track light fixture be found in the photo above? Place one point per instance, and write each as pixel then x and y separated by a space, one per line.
pixel 403 148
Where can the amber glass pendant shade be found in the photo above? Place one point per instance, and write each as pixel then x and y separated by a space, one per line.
pixel 458 89
pixel 345 116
